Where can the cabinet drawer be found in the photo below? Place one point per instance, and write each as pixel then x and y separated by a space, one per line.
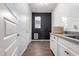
pixel 71 46
pixel 64 51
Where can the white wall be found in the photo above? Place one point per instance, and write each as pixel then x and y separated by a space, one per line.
pixel 52 21
pixel 66 15
pixel 24 26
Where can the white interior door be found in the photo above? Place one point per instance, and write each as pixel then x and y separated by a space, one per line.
pixel 8 33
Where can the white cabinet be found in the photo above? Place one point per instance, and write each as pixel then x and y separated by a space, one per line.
pixel 64 51
pixel 61 51
pixel 62 47
pixel 66 48
pixel 53 44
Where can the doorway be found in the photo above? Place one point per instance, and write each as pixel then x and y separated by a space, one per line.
pixel 44 28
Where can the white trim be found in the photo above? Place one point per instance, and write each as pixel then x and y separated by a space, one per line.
pixel 40 40
pixel 25 49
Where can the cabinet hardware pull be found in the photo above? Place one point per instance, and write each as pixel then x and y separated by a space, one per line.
pixel 18 34
pixel 54 37
pixel 66 52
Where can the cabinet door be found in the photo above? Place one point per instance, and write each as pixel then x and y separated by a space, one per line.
pixel 61 51
pixel 64 51
pixel 8 38
pixel 54 45
pixel 63 46
pixel 54 48
pixel 51 42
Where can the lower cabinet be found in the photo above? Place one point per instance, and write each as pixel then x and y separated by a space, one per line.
pixel 59 49
pixel 53 44
pixel 64 51
pixel 54 48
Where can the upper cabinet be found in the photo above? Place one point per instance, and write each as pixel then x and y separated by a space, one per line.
pixel 67 15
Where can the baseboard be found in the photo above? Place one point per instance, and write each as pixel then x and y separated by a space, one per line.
pixel 40 40
pixel 24 49
pixel 52 52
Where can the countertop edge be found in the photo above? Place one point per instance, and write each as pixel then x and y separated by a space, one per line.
pixel 65 37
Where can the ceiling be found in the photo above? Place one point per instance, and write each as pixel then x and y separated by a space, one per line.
pixel 42 7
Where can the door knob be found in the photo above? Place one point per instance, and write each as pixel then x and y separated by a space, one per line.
pixel 18 34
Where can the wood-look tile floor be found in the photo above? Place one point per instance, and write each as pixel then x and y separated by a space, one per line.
pixel 38 48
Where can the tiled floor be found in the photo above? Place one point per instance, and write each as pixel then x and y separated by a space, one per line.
pixel 38 48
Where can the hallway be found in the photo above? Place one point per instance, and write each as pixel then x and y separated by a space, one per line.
pixel 38 48
pixel 27 28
